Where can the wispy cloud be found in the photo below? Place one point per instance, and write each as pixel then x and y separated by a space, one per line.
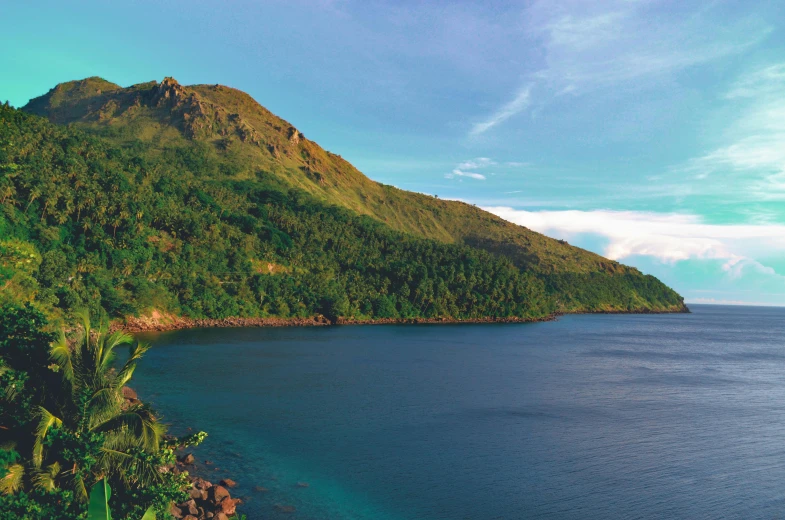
pixel 462 169
pixel 585 46
pixel 765 81
pixel 751 163
pixel 517 105
pixel 460 173
pixel 668 237
pixel 479 162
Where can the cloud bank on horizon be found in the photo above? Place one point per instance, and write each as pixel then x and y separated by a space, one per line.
pixel 652 131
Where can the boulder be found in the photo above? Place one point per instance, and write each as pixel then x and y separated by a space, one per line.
pixel 227 482
pixel 216 494
pixel 227 507
pixel 201 483
pixel 191 517
pixel 196 494
pixel 220 516
pixel 176 512
pixel 188 458
pixel 190 506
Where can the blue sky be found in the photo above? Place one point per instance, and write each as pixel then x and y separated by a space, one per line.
pixel 651 132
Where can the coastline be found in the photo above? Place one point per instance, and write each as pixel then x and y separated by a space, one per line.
pixel 164 323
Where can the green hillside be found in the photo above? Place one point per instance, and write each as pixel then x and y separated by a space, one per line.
pixel 197 201
pixel 246 140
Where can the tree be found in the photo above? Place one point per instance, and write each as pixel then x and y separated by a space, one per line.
pixel 93 431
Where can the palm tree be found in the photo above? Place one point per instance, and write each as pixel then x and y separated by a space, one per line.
pixel 93 414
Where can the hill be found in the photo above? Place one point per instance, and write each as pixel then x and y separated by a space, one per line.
pixel 196 201
pixel 245 140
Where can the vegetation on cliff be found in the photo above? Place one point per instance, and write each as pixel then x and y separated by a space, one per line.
pixel 124 225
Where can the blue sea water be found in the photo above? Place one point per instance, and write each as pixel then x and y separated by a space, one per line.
pixel 588 417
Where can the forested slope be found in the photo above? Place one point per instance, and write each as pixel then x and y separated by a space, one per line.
pixel 129 225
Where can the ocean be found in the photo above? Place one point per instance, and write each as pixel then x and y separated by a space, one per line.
pixel 587 417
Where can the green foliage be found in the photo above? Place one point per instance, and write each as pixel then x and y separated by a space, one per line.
pixel 124 231
pixel 98 506
pixel 74 428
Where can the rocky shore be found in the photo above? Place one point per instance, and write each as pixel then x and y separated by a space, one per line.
pixel 206 500
pixel 159 322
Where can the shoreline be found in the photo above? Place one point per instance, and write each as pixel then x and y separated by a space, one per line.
pixel 170 323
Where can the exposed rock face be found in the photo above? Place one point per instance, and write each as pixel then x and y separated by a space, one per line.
pixel 227 482
pixel 294 135
pixel 168 94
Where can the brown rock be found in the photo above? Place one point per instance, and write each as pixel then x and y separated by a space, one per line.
pixel 176 511
pixel 195 494
pixel 220 516
pixel 201 483
pixel 217 493
pixel 129 393
pixel 190 506
pixel 227 482
pixel 190 517
pixel 227 507
pixel 188 458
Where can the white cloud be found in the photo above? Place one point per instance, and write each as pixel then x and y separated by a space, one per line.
pixel 669 237
pixel 460 173
pixel 517 105
pixel 752 161
pixel 471 164
pixel 768 80
pixel 479 162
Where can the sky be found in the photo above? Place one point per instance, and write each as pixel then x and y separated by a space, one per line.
pixel 651 132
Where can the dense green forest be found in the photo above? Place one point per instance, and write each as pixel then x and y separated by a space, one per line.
pixel 124 230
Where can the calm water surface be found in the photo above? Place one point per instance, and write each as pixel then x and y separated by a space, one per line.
pixel 588 417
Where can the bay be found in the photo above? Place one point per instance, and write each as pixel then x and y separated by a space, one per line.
pixel 590 416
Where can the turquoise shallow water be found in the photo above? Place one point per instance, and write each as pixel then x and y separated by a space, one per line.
pixel 590 417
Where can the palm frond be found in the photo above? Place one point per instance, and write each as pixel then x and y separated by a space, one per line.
pixel 105 403
pixel 139 423
pixel 47 480
pixel 137 350
pixel 63 356
pixel 46 422
pixel 12 480
pixel 84 317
